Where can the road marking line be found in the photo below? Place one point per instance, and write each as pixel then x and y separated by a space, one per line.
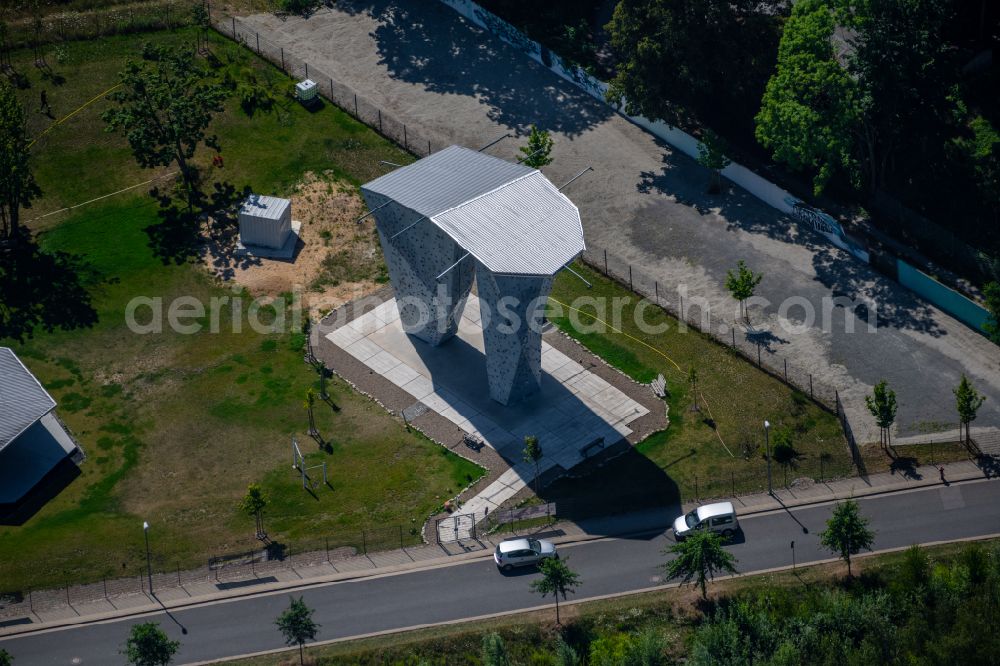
pixel 577 602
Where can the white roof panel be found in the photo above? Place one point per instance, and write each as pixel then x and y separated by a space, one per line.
pixel 259 205
pixel 508 216
pixel 524 227
pixel 22 398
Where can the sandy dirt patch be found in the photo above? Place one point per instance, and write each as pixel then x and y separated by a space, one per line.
pixel 335 261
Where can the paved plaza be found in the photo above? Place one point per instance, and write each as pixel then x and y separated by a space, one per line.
pixel 574 414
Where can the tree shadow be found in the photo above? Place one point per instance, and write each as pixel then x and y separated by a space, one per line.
pixel 429 44
pixel 43 289
pixel 177 237
pixel 854 285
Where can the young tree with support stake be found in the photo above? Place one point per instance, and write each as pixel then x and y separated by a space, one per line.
pixel 164 107
pixel 253 504
pixel 297 626
pixel 148 645
pixel 847 532
pixel 741 284
pixel 557 579
pixel 882 406
pixel 533 453
pixel 968 401
pixel 699 557
pixel 536 153
pixel 17 183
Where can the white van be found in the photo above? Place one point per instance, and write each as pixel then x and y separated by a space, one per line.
pixel 719 517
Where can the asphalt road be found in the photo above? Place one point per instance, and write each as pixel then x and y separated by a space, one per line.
pixel 477 588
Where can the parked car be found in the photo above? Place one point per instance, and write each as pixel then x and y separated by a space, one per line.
pixel 512 553
pixel 719 517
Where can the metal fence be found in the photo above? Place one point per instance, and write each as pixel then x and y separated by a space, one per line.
pixel 126 569
pixel 756 347
pixel 357 105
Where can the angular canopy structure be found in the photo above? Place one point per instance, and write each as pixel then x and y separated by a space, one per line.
pixel 457 209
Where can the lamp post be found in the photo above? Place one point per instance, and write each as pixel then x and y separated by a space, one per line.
pixel 767 449
pixel 149 560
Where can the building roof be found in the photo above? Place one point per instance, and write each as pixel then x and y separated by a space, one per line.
pixel 260 205
pixel 508 216
pixel 22 398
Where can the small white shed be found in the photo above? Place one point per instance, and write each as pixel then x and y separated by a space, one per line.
pixel 265 221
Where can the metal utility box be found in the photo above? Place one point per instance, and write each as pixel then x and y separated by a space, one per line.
pixel 265 221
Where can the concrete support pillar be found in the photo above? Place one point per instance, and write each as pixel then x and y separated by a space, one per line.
pixel 429 308
pixel 513 308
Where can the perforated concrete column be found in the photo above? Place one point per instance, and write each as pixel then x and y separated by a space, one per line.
pixel 429 309
pixel 512 308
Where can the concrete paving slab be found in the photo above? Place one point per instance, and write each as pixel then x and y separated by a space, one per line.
pixel 345 336
pixel 401 375
pixel 363 349
pixel 382 362
pixel 419 387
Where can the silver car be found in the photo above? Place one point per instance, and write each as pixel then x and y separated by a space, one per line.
pixel 719 517
pixel 522 552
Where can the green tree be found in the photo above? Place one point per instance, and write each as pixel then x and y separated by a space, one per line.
pixel 148 645
pixel 164 107
pixel 5 658
pixel 991 293
pixel 847 532
pixel 537 152
pixel 882 406
pixel 253 504
pixel 783 450
pixel 494 651
pixel 557 579
pixel 699 557
pixel 967 401
pixel 17 183
pixel 902 65
pixel 297 626
pixel 712 155
pixel 694 61
pixel 533 453
pixel 741 284
pixel 809 112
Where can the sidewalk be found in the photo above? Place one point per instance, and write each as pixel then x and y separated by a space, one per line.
pixel 57 608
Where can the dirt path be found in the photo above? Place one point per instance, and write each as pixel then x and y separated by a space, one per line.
pixel 452 83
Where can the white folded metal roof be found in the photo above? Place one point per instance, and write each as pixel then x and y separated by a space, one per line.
pixel 508 216
pixel 260 205
pixel 22 398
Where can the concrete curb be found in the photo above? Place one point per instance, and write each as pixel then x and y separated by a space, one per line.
pixel 569 538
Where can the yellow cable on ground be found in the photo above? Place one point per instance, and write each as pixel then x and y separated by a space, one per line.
pixel 654 349
pixel 70 115
pixel 597 319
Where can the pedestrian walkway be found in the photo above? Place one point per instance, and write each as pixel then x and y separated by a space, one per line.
pixel 63 607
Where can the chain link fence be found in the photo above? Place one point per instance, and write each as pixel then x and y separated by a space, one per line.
pixel 385 123
pixel 126 572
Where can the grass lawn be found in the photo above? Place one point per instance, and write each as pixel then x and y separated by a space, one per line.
pixel 175 426
pixel 704 453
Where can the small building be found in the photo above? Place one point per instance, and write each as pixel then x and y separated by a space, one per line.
pixel 37 454
pixel 265 221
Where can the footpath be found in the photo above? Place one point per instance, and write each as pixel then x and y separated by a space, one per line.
pixel 70 606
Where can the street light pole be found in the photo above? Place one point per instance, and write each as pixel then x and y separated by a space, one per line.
pixel 149 560
pixel 767 449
